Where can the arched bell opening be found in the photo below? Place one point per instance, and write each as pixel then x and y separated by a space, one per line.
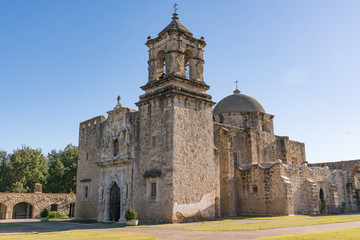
pixel 22 210
pixel 188 64
pixel 160 65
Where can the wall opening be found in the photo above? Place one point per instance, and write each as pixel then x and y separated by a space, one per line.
pixel 116 147
pixel 114 203
pixel 153 141
pixel 153 190
pixel 72 210
pixel 321 195
pixel 54 207
pixel 235 159
pixel 2 211
pixel 22 210
pixel 188 64
pixel 86 192
pixel 253 189
pixel 161 65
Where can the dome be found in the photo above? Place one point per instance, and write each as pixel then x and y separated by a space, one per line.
pixel 238 103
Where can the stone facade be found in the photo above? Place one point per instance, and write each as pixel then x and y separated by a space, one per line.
pixel 29 205
pixel 177 159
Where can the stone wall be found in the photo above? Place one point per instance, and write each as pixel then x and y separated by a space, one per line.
pixel 352 189
pixel 87 182
pixel 194 168
pixel 280 189
pixel 37 201
pixel 154 162
pixel 255 120
pixel 261 189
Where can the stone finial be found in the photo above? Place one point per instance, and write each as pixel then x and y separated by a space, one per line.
pixel 149 37
pixel 118 103
pixel 175 17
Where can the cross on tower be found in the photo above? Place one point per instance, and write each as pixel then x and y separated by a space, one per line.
pixel 236 82
pixel 118 100
pixel 175 8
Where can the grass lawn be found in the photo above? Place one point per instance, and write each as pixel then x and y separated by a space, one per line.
pixel 341 234
pixel 278 223
pixel 80 235
pixel 266 218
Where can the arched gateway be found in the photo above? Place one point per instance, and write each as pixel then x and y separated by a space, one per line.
pixel 22 210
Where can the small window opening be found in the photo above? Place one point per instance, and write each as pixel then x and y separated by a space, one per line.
pixel 87 156
pixel 95 122
pixel 254 189
pixel 54 207
pixel 116 147
pixel 235 159
pixel 153 141
pixel 221 118
pixel 86 192
pixel 88 124
pixel 153 190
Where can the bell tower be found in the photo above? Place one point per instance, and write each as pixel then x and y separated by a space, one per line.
pixel 175 52
pixel 176 143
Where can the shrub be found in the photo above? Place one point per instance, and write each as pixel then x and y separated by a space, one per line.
pixel 130 214
pixel 44 213
pixel 56 215
pixel 343 205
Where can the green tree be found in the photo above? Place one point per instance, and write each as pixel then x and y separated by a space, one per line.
pixel 62 170
pixel 22 169
pixel 4 158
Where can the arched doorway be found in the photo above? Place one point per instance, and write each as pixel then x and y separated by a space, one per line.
pixel 22 210
pixel 322 201
pixel 2 211
pixel 114 203
pixel 321 195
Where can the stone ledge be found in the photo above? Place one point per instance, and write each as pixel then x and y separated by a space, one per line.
pixel 117 161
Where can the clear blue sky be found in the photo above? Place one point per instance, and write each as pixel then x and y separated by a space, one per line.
pixel 63 62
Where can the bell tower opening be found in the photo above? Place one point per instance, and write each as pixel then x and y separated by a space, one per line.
pixel 161 65
pixel 188 64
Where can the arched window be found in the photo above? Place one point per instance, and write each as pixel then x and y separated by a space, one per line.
pixel 188 64
pixel 161 65
pixel 116 147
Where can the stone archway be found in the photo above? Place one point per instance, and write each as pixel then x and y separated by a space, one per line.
pixel 22 210
pixel 114 203
pixel 2 211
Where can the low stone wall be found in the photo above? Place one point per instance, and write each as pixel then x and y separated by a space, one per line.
pixel 33 204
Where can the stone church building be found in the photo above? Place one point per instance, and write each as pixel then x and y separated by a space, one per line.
pixel 181 157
